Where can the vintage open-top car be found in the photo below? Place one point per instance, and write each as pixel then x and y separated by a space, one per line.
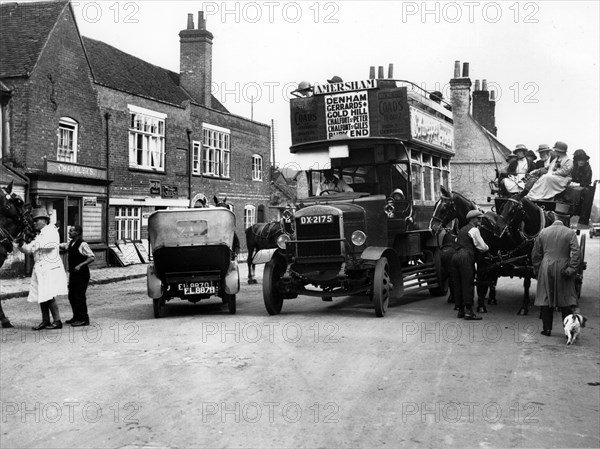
pixel 193 256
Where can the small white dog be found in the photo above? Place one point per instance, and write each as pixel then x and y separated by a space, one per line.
pixel 573 324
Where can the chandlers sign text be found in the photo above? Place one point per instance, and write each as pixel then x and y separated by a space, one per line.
pixel 431 130
pixel 347 114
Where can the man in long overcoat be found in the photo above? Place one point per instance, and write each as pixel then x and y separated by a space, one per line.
pixel 555 258
pixel 48 279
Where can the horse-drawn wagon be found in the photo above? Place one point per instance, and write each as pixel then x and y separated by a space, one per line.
pixel 193 256
pixel 510 229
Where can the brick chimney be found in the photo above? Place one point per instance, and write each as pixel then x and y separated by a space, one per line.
pixel 484 107
pixel 195 60
pixel 460 91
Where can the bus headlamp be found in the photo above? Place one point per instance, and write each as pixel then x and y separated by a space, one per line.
pixel 282 240
pixel 358 238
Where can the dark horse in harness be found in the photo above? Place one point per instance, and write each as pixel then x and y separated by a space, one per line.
pixel 506 248
pixel 235 248
pixel 15 225
pixel 263 236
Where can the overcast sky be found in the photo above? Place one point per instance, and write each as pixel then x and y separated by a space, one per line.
pixel 540 57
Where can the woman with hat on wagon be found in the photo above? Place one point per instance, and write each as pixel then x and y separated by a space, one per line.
pixel 468 241
pixel 517 169
pixel 582 171
pixel 558 177
pixel 48 279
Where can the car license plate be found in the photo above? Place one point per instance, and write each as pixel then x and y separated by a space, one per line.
pixel 316 219
pixel 197 288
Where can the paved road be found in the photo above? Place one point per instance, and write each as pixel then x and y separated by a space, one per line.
pixel 318 375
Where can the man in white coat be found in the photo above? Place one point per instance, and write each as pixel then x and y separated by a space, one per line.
pixel 49 278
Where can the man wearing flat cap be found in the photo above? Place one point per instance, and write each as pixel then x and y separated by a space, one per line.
pixel 517 169
pixel 468 241
pixel 558 177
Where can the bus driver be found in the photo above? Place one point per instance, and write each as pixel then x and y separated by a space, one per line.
pixel 332 183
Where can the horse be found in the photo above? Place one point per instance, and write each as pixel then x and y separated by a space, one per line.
pixel 235 248
pixel 453 205
pixel 261 236
pixel 16 224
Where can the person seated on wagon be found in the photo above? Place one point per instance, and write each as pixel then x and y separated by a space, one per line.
pixel 517 169
pixel 531 157
pixel 557 178
pixel 541 166
pixel 332 183
pixel 546 155
pixel 582 171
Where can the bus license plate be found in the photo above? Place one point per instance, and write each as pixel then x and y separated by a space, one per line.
pixel 316 219
pixel 197 288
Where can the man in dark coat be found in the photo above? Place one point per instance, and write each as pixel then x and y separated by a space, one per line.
pixel 468 241
pixel 555 258
pixel 80 256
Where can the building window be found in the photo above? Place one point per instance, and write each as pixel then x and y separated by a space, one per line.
pixel 128 222
pixel 249 216
pixel 216 156
pixel 446 173
pixel 257 167
pixel 197 148
pixel 67 140
pixel 146 139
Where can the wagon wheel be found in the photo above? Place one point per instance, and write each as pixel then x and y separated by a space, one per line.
pixel 435 257
pixel 159 305
pixel 272 296
pixel 382 287
pixel 231 304
pixel 582 266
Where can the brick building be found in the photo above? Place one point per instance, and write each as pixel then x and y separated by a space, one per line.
pixel 478 151
pixel 106 138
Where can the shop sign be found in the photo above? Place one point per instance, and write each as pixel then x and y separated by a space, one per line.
pixel 80 171
pixel 347 114
pixel 431 130
pixel 319 89
pixel 169 192
pixel 90 201
pixel 154 187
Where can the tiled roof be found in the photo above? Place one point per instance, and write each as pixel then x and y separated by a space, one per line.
pixel 119 70
pixel 24 30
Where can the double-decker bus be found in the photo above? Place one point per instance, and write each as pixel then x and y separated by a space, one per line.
pixel 389 144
